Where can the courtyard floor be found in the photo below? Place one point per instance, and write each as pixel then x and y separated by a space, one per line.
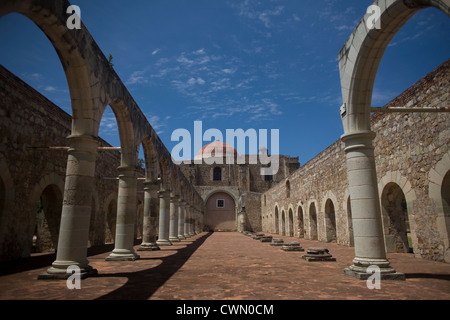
pixel 221 266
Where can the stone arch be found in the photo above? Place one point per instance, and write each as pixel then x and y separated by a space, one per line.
pixel 45 201
pixel 348 215
pixel 110 218
pixel 362 53
pixel 330 221
pixel 77 60
pixel 290 226
pixel 220 216
pixel 439 193
pixel 330 209
pixel 397 211
pixel 300 221
pixel 288 189
pixel 277 220
pixel 95 237
pixel 128 139
pixel 283 222
pixel 152 165
pixel 312 221
pixel 395 218
pixel 6 196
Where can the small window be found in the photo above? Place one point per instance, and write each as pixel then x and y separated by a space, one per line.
pixel 268 177
pixel 220 203
pixel 217 174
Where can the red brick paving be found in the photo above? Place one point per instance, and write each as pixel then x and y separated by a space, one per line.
pixel 221 266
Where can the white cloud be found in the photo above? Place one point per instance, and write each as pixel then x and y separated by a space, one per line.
pixel 136 77
pixel 50 88
pixel 155 51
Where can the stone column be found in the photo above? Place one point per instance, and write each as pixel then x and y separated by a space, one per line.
pixel 76 210
pixel 181 207
pixel 126 217
pixel 164 218
pixel 366 211
pixel 173 224
pixel 150 217
pixel 187 209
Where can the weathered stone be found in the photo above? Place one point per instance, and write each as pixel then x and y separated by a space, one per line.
pixel 318 254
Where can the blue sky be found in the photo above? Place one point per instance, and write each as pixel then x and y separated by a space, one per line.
pixel 267 64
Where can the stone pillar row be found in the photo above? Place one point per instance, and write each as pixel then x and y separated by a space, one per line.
pixel 176 216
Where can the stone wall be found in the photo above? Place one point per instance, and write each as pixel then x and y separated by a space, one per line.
pixel 34 176
pixel 411 152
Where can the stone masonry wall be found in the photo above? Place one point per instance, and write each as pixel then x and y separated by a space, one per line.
pixel 34 178
pixel 410 148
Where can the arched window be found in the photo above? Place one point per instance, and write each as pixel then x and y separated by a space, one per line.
pixel 217 174
pixel 288 189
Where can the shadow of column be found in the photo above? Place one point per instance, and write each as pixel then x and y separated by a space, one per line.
pixel 142 285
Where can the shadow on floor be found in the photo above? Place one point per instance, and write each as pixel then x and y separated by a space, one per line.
pixel 46 260
pixel 142 284
pixel 427 276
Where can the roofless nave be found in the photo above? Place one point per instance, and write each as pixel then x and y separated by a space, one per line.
pixel 183 192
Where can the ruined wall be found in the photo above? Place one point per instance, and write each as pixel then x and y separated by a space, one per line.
pixel 34 178
pixel 411 151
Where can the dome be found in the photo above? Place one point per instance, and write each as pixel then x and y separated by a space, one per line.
pixel 216 149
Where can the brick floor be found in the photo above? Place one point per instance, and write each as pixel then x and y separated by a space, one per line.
pixel 221 266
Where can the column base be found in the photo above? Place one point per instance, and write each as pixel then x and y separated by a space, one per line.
pixel 163 242
pixel 62 274
pixel 117 255
pixel 181 237
pixel 187 236
pixel 148 247
pixel 383 276
pixel 360 266
pixel 174 239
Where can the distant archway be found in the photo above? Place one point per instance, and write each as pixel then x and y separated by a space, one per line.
pixel 220 212
pixel 283 223
pixel 111 217
pixel 350 222
pixel 48 218
pixel 330 221
pixel 312 222
pixel 395 219
pixel 290 223
pixel 301 224
pixel 277 226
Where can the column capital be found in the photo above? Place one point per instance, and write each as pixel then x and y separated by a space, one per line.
pixel 358 140
pixel 164 193
pixel 150 185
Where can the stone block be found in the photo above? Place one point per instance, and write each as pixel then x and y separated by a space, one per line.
pixel 318 254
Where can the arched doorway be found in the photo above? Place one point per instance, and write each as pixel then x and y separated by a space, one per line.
pixel 395 219
pixel 312 222
pixel 330 221
pixel 111 216
pixel 48 218
pixel 283 223
pixel 445 194
pixel 291 223
pixel 301 226
pixel 2 197
pixel 350 223
pixel 220 212
pixel 277 226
